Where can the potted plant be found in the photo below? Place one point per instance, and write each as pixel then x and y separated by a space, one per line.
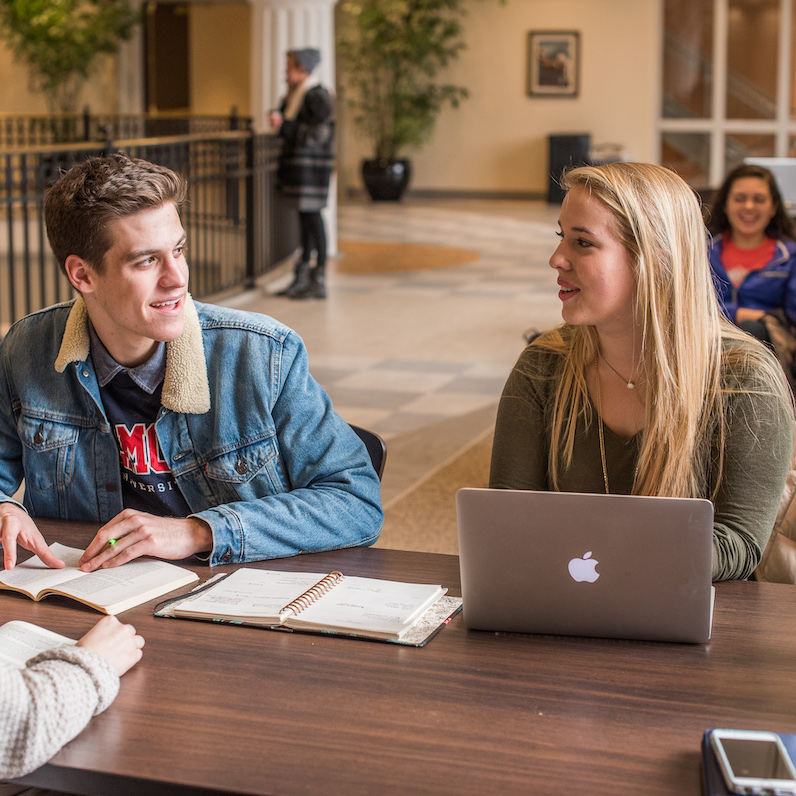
pixel 59 40
pixel 392 52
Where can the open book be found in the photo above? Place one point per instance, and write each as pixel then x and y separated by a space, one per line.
pixel 108 590
pixel 20 641
pixel 323 603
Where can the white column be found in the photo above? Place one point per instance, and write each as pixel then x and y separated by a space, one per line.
pixel 130 65
pixel 279 26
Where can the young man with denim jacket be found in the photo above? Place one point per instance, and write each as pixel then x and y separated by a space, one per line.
pixel 186 428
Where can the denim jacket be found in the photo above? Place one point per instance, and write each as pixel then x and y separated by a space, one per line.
pixel 252 440
pixel 772 287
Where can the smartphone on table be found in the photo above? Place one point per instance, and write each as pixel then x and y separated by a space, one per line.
pixel 754 763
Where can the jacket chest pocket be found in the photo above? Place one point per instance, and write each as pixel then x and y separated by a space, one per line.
pixel 248 472
pixel 49 452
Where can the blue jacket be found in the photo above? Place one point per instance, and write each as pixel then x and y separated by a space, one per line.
pixel 252 440
pixel 770 288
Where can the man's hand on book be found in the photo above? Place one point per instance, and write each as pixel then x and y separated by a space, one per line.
pixel 134 533
pixel 17 528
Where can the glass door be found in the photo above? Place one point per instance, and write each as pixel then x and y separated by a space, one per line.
pixel 727 85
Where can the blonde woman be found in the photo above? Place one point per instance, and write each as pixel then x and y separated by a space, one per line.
pixel 645 388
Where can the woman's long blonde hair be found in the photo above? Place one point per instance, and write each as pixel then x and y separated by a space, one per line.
pixel 658 220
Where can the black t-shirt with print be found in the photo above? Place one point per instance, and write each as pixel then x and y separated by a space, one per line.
pixel 147 482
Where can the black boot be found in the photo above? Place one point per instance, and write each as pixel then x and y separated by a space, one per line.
pixel 317 285
pixel 301 280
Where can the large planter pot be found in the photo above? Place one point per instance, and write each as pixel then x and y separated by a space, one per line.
pixel 386 180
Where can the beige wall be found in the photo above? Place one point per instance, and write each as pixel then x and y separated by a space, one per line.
pixel 497 140
pixel 100 92
pixel 220 46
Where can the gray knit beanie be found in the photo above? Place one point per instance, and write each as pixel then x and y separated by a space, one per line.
pixel 307 59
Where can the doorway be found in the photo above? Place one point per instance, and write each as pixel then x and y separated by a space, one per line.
pixel 168 68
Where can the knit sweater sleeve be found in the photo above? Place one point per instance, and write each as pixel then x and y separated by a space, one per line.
pixel 49 702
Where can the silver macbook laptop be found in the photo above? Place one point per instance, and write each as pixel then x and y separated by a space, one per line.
pixel 615 566
pixel 784 171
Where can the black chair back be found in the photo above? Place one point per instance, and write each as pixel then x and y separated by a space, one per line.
pixel 377 449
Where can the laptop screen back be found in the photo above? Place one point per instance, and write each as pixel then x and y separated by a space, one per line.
pixel 616 566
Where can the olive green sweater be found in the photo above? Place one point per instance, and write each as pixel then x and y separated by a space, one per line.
pixel 757 458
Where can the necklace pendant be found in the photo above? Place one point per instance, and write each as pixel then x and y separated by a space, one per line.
pixel 631 385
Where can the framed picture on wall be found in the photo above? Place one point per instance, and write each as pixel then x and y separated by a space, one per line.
pixel 553 63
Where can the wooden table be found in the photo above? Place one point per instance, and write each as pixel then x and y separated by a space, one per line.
pixel 215 708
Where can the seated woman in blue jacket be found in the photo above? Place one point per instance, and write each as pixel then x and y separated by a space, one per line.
pixel 753 253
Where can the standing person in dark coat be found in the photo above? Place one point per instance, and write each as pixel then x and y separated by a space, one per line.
pixel 305 121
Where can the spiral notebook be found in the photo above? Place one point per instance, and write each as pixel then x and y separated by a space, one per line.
pixel 314 602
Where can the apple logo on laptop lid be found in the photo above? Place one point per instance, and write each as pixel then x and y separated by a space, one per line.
pixel 583 569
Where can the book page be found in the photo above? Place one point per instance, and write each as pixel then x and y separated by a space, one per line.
pixel 112 590
pixel 382 607
pixel 33 576
pixel 250 594
pixel 118 588
pixel 20 641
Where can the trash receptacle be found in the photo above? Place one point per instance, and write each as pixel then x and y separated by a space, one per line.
pixel 566 151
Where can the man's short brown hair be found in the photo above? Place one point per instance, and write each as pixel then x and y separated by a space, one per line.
pixel 80 204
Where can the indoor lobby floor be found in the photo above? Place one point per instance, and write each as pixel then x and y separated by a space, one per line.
pixel 420 356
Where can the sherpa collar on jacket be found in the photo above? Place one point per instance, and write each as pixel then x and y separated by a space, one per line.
pixel 185 386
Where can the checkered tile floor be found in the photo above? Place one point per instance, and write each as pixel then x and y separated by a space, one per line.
pixel 394 396
pixel 400 351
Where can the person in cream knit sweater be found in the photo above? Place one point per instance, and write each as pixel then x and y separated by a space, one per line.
pixel 52 699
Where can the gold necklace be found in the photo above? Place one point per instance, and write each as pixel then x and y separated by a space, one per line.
pixel 600 421
pixel 629 383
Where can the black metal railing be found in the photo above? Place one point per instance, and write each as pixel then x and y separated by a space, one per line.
pixel 25 131
pixel 237 228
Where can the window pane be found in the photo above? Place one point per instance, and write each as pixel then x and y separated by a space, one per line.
pixel 738 146
pixel 752 51
pixel 687 54
pixel 689 155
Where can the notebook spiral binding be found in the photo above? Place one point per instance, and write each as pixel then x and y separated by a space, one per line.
pixel 311 595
